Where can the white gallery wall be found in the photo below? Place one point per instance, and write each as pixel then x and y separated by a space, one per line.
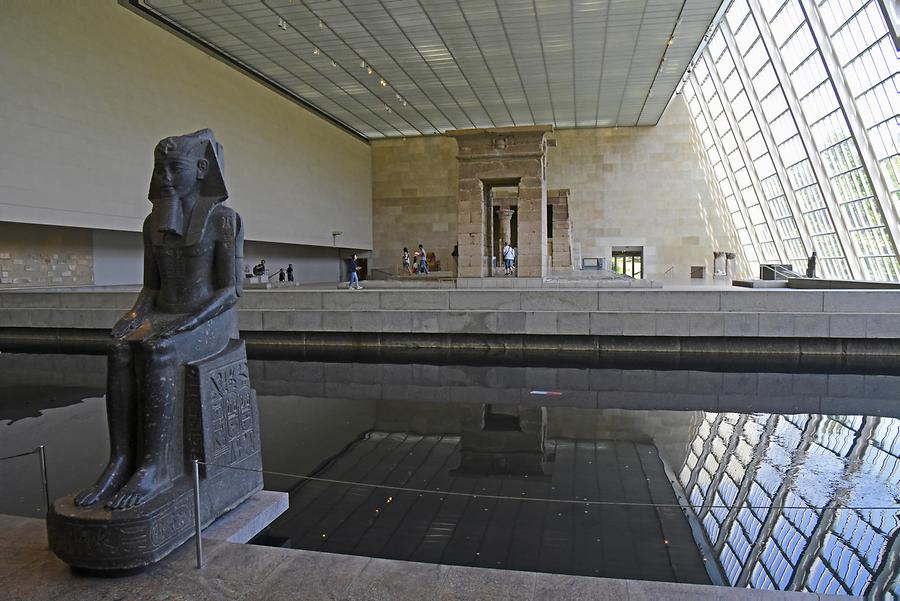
pixel 87 88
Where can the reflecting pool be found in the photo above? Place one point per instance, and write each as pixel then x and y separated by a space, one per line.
pixel 767 480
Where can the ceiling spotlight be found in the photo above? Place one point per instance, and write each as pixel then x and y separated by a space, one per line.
pixel 671 41
pixel 369 70
pixel 404 103
pixel 397 96
pixel 316 51
pixel 387 108
pixel 333 64
pixel 382 82
pixel 321 25
pixel 362 64
pixel 282 24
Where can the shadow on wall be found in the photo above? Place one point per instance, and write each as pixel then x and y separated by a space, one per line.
pixel 721 214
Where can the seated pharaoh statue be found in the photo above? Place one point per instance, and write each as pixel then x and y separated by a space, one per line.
pixel 178 388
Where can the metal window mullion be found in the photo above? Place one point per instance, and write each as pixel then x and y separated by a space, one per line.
pixel 707 447
pixel 871 89
pixel 817 538
pixel 760 257
pixel 854 121
pixel 720 474
pixel 756 110
pixel 859 54
pixel 765 531
pixel 888 570
pixel 747 483
pixel 815 159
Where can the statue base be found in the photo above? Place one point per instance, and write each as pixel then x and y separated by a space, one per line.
pixel 221 429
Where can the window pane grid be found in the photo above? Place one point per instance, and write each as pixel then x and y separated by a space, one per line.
pixel 858 36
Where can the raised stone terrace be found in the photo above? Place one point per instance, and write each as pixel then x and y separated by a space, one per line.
pixel 684 313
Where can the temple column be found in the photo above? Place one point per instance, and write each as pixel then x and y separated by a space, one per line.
pixel 505 225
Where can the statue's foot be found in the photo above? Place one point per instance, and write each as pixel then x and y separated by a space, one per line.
pixel 113 477
pixel 143 486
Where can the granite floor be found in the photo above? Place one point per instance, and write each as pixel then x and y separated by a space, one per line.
pixel 28 571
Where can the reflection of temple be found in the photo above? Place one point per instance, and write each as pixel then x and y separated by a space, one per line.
pixel 777 534
pixel 504 440
pixel 488 514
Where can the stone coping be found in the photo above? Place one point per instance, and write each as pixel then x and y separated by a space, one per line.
pixel 29 572
pixel 701 300
pixel 687 313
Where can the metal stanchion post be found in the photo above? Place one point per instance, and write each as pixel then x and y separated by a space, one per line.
pixel 197 514
pixel 46 485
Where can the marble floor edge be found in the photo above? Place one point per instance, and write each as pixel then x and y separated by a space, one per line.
pixel 234 571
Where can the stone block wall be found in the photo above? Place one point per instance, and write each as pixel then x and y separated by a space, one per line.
pixel 414 190
pixel 644 186
pixel 502 157
pixel 562 229
pixel 629 186
pixel 43 254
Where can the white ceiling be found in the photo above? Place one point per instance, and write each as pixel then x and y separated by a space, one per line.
pixel 458 64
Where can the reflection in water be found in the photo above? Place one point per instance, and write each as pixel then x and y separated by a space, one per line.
pixel 779 495
pixel 783 500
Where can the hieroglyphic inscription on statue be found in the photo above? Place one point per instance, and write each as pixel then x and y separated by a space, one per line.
pixel 171 523
pixel 227 415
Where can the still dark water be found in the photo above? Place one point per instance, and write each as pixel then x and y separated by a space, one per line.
pixel 768 480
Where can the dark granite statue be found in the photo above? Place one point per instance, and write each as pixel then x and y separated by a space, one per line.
pixel 178 387
pixel 811 266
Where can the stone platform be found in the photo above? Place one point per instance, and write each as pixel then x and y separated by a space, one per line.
pixel 713 320
pixel 29 572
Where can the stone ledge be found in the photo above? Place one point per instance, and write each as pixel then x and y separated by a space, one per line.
pixel 30 572
pixel 557 299
pixel 249 518
pixel 476 317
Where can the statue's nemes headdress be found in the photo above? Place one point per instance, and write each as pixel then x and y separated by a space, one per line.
pixel 191 148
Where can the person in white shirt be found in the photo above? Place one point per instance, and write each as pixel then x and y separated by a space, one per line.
pixel 509 255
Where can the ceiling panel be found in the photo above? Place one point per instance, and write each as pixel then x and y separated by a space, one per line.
pixel 390 68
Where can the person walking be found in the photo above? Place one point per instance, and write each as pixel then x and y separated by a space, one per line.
pixel 354 275
pixel 290 272
pixel 406 264
pixel 508 255
pixel 281 275
pixel 423 262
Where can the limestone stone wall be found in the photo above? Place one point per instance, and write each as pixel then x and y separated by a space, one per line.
pixel 40 254
pixel 414 187
pixel 644 186
pixel 630 186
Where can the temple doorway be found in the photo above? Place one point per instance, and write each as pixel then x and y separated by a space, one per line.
pixel 503 199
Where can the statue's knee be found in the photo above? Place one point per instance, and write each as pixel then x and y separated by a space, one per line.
pixel 118 352
pixel 158 350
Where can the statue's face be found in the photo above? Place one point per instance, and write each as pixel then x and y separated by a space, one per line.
pixel 178 176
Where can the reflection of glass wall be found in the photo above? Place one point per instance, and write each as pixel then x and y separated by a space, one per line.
pixel 796 103
pixel 774 526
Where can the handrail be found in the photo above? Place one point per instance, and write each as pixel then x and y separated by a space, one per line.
pixel 39 450
pixel 779 270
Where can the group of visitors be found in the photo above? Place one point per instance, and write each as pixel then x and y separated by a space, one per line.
pixel 418 263
pixel 260 271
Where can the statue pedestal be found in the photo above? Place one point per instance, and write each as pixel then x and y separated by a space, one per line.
pixel 222 429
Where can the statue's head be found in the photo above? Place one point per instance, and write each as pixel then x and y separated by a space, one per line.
pixel 184 167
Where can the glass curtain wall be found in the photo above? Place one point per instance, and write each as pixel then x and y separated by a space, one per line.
pixel 796 103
